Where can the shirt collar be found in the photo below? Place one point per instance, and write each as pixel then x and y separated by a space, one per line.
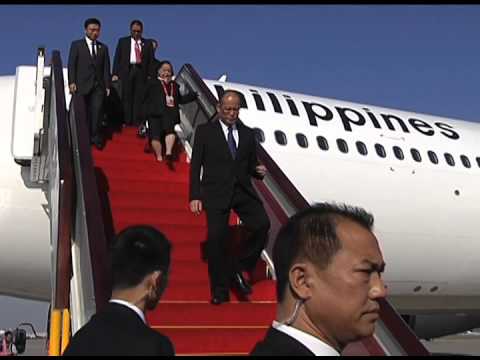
pixel 225 127
pixel 89 41
pixel 131 306
pixel 315 345
pixel 139 41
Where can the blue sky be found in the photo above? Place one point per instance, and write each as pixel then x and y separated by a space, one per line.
pixel 423 58
pixel 410 57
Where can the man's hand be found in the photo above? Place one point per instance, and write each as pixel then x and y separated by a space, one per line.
pixel 73 88
pixel 261 170
pixel 196 206
pixel 108 92
pixel 114 78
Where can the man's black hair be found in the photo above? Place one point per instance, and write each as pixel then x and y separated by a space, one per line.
pixel 92 21
pixel 136 22
pixel 136 252
pixel 311 234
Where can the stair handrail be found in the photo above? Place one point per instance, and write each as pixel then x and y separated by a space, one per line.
pixel 60 184
pixel 58 153
pixel 91 261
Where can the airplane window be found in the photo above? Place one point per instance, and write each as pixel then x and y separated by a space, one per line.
pixel 416 155
pixel 465 161
pixel 362 148
pixel 478 161
pixel 449 159
pixel 302 140
pixel 281 137
pixel 259 134
pixel 433 157
pixel 398 153
pixel 323 143
pixel 380 150
pixel 342 146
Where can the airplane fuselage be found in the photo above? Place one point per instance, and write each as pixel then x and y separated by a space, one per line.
pixel 416 173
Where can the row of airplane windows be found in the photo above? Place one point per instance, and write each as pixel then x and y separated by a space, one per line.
pixel 342 145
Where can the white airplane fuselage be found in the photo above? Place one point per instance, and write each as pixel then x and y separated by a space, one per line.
pixel 425 213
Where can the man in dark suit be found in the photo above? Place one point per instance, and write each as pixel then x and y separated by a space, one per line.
pixel 225 185
pixel 140 265
pixel 132 65
pixel 89 76
pixel 328 266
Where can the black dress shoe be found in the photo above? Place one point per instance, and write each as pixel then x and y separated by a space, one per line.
pixel 99 144
pixel 142 131
pixel 220 297
pixel 241 284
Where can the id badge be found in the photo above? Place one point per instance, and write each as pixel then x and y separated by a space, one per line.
pixel 170 102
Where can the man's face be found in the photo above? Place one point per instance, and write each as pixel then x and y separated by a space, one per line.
pixel 136 31
pixel 229 109
pixel 343 305
pixel 92 31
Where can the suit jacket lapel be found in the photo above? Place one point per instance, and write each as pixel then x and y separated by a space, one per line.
pixel 241 138
pixel 128 46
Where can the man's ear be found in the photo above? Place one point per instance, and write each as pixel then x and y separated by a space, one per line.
pixel 153 278
pixel 300 280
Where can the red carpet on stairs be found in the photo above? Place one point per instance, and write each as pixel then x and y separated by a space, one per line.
pixel 143 191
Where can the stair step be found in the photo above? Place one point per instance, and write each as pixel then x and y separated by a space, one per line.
pixel 206 314
pixel 146 186
pixel 214 341
pixel 142 166
pixel 181 233
pixel 187 251
pixel 172 216
pixel 153 202
pixel 197 291
pixel 133 157
pixel 119 175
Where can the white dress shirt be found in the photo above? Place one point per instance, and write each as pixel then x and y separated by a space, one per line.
pixel 133 57
pixel 90 43
pixel 315 345
pixel 225 132
pixel 131 306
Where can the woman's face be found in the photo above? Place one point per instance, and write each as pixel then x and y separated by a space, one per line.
pixel 165 72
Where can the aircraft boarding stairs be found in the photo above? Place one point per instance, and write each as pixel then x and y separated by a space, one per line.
pixel 95 194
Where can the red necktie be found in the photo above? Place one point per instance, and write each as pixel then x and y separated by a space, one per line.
pixel 138 53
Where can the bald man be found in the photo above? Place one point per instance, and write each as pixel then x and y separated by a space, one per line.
pixel 226 149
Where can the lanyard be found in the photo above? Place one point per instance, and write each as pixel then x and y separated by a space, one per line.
pixel 172 88
pixel 169 98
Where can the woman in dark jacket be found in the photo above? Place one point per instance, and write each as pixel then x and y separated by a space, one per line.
pixel 162 98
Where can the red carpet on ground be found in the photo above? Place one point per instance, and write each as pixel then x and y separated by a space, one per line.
pixel 143 191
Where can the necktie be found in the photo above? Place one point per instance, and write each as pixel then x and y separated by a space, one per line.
pixel 138 53
pixel 231 142
pixel 94 52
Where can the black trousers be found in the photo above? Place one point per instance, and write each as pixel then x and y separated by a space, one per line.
pixel 133 89
pixel 94 104
pixel 220 266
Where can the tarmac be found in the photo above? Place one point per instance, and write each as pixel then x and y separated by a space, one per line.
pixel 462 344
